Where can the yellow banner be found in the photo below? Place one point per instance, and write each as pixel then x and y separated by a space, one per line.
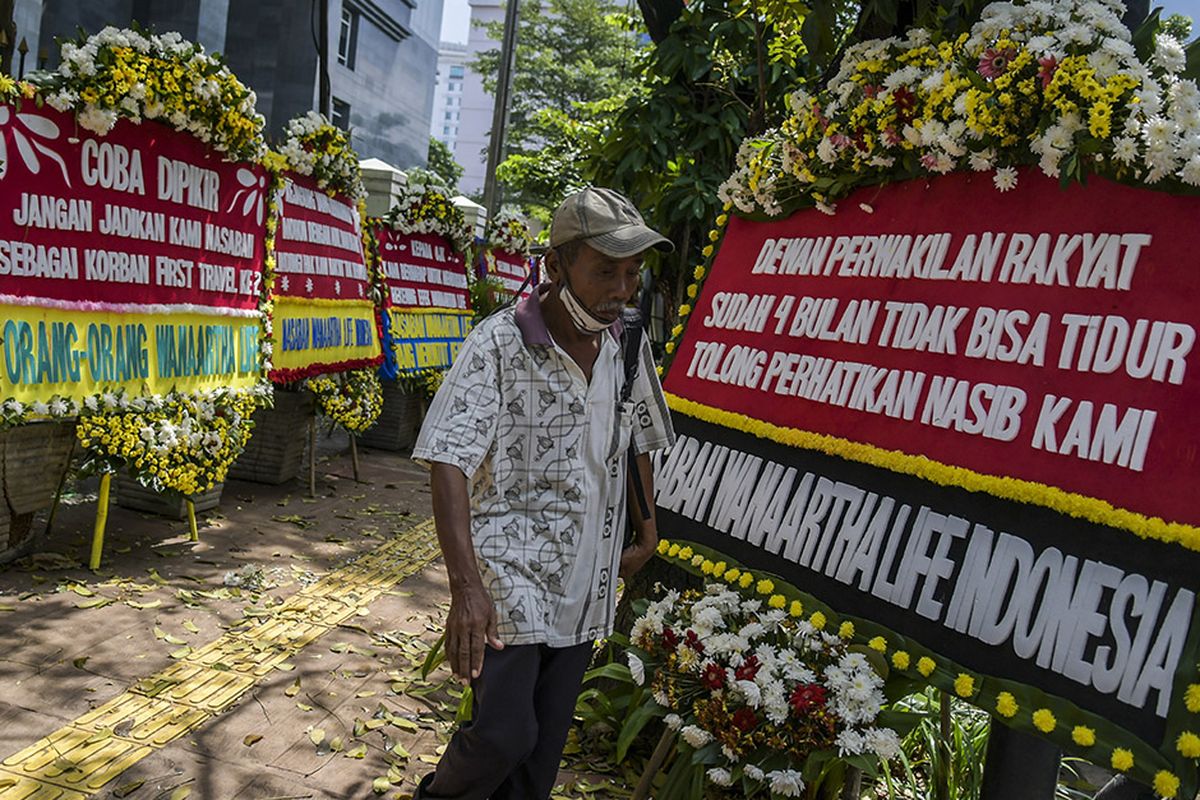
pixel 73 354
pixel 322 333
pixel 428 338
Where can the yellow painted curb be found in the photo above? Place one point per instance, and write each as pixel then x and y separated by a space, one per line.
pixel 77 760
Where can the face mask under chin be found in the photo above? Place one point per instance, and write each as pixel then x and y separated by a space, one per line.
pixel 584 320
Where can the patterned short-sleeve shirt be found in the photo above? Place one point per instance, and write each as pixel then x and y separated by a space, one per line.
pixel 544 450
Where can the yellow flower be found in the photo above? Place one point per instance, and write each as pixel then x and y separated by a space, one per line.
pixel 745 580
pixel 731 575
pixel 697 560
pixel 1166 784
pixel 1122 759
pixel 1006 704
pixel 673 550
pixel 817 620
pixel 684 310
pixel 707 251
pixel 1044 721
pixel 846 630
pixel 964 685
pixel 706 567
pixel 1083 736
pixel 663 546
pixel 765 586
pixel 714 235
pixel 686 553
pixel 692 290
pixel 878 643
pixel 722 219
pixel 1191 698
pixel 698 273
pixel 718 569
pixel 777 601
pixel 795 609
pixel 900 659
pixel 1188 745
pixel 669 347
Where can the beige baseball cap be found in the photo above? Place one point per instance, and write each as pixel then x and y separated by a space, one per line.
pixel 607 222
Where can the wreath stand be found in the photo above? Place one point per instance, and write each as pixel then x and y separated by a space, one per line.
pixel 133 495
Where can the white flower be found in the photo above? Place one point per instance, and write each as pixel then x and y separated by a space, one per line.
pixel 720 776
pixel 850 742
pixel 786 782
pixel 1169 54
pixel 39 408
pixel 1005 178
pixel 636 669
pixel 57 407
pixel 695 736
pixel 883 742
pixel 673 721
pixel 1190 174
pixel 753 772
pixel 1125 149
pixel 982 161
pixel 97 120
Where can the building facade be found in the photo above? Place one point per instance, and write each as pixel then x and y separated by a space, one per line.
pixel 447 95
pixel 475 120
pixel 382 57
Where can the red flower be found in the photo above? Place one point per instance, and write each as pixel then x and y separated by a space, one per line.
pixel 669 639
pixel 906 104
pixel 807 696
pixel 1046 69
pixel 994 63
pixel 713 677
pixel 744 719
pixel 693 641
pixel 748 669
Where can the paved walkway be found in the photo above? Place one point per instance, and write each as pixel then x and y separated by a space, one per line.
pixel 279 657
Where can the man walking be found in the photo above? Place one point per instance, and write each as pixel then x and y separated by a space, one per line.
pixel 527 442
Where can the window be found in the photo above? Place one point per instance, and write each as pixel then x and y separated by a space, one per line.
pixel 456 72
pixel 341 114
pixel 449 116
pixel 454 86
pixel 348 36
pixel 445 130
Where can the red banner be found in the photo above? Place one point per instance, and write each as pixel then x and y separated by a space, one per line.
pixel 1041 334
pixel 318 245
pixel 142 215
pixel 511 269
pixel 423 270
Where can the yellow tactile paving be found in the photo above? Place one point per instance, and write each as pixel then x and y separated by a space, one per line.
pixel 19 787
pixel 77 760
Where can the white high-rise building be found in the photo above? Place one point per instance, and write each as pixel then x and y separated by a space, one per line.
pixel 448 94
pixel 475 120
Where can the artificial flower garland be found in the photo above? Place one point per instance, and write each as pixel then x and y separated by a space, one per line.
pixel 509 232
pixel 317 148
pixel 424 206
pixel 352 399
pixel 1057 84
pixel 1081 732
pixel 126 73
pixel 754 690
pixel 183 442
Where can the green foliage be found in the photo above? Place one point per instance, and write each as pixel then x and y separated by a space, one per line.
pixel 441 162
pixel 925 763
pixel 1178 26
pixel 722 74
pixel 571 54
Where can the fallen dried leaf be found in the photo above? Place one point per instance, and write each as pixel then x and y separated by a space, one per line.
pixel 251 739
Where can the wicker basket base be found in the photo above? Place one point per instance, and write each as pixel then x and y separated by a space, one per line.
pixel 275 452
pixel 32 460
pixel 398 423
pixel 173 505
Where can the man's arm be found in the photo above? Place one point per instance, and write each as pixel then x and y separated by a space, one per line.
pixel 645 531
pixel 472 620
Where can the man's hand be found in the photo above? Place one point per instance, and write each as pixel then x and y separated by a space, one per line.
pixel 470 626
pixel 633 558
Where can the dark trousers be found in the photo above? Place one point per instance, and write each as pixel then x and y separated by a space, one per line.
pixel 524 699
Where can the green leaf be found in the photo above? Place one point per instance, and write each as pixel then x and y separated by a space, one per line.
pixel 634 724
